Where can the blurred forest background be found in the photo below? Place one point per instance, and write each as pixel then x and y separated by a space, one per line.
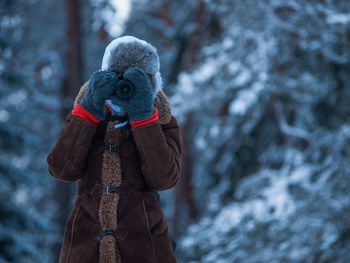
pixel 259 87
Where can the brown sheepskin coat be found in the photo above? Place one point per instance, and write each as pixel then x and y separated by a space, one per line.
pixel 149 161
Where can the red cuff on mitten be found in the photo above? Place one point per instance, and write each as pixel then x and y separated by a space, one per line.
pixel 150 119
pixel 83 113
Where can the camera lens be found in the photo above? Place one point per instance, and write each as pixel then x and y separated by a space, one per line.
pixel 125 89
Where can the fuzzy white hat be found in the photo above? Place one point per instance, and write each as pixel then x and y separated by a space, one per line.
pixel 129 51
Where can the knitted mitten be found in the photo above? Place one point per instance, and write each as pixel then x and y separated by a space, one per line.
pixel 140 104
pixel 101 86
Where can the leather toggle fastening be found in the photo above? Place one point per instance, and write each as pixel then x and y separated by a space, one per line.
pixel 109 190
pixel 105 233
pixel 112 148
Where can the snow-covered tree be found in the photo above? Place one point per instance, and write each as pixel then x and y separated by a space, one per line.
pixel 268 100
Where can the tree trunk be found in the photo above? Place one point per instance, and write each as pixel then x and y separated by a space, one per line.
pixel 63 192
pixel 183 194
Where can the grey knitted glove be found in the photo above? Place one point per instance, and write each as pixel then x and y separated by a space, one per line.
pixel 140 104
pixel 101 86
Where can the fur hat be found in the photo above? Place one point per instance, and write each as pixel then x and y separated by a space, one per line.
pixel 129 51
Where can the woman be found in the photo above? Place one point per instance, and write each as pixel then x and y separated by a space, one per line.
pixel 123 144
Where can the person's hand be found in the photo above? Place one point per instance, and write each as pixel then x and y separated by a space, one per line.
pixel 101 86
pixel 140 104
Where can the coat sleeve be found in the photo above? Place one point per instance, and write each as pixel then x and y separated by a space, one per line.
pixel 160 150
pixel 67 158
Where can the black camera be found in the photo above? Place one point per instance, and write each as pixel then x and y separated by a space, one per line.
pixel 125 88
